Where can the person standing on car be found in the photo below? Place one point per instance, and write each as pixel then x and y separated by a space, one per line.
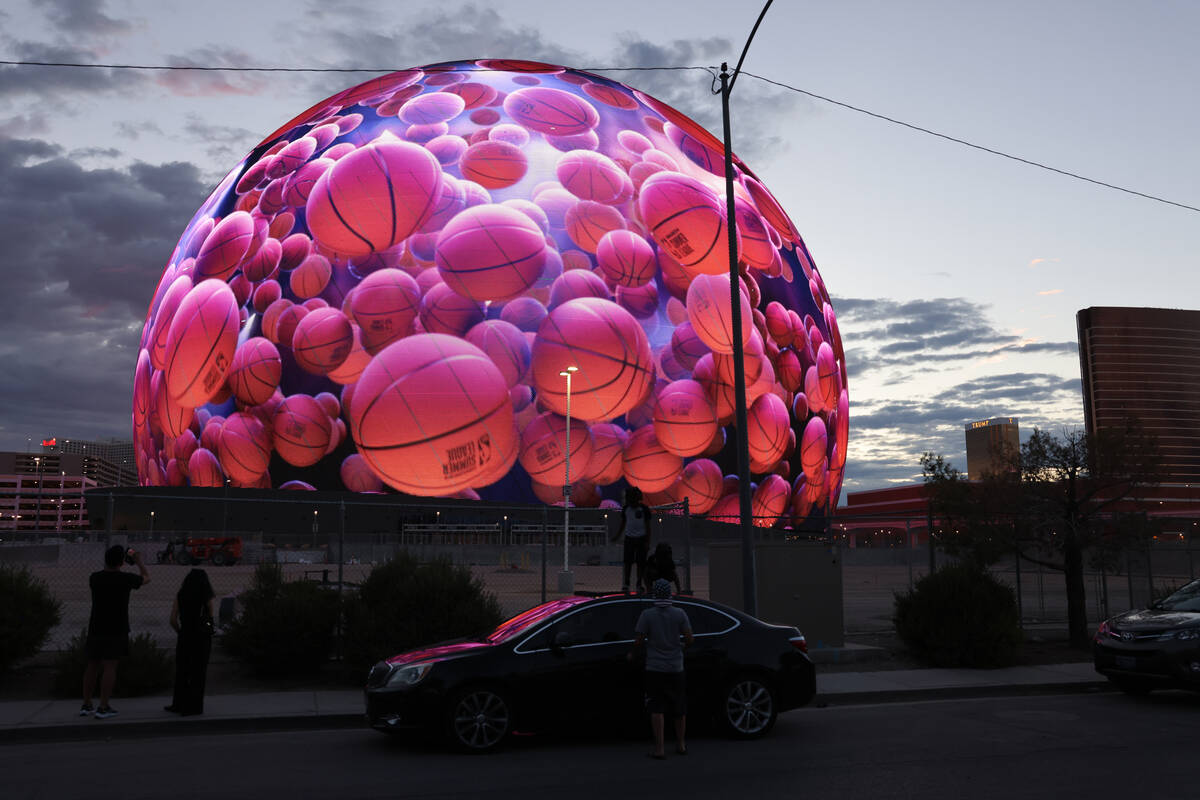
pixel 108 627
pixel 192 619
pixel 635 527
pixel 661 564
pixel 660 629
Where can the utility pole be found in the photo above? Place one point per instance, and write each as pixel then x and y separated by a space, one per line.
pixel 749 573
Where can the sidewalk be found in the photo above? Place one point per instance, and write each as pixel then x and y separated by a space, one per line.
pixel 29 720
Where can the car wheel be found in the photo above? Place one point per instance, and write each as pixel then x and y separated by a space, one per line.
pixel 220 558
pixel 748 707
pixel 479 720
pixel 183 559
pixel 1132 686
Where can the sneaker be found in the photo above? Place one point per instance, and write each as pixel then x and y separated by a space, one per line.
pixel 104 712
pixel 86 710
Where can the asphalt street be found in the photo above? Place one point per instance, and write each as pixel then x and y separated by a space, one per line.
pixel 1058 746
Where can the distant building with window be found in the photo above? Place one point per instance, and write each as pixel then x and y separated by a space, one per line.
pixel 109 462
pixel 1145 363
pixel 43 491
pixel 992 446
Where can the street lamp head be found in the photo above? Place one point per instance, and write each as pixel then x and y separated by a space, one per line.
pixel 566 372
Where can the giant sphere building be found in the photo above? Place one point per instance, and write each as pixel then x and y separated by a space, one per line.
pixel 383 294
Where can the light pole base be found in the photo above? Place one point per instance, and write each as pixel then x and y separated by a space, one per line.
pixel 566 582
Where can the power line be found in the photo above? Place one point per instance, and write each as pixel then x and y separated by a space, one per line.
pixel 965 143
pixel 710 70
pixel 201 68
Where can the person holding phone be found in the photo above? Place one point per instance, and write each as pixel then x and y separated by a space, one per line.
pixel 108 626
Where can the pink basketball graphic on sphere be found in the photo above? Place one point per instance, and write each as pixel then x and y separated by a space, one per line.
pixel 374 197
pixel 709 312
pixel 544 448
pixel 626 258
pixel 301 430
pixel 201 343
pixel 244 448
pixel 322 341
pixel 612 353
pixel 684 420
pixel 430 413
pixel 384 305
pixel 255 372
pixel 648 465
pixel 539 218
pixel 490 252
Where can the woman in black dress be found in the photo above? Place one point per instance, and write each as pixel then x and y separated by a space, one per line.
pixel 192 618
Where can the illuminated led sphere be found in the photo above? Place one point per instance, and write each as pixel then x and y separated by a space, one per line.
pixel 427 251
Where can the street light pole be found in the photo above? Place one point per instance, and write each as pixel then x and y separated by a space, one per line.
pixel 566 580
pixel 749 574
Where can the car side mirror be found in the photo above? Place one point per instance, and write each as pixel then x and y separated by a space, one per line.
pixel 560 642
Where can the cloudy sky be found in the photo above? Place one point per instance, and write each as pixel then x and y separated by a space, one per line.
pixel 955 274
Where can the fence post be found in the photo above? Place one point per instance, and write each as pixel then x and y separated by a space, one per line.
pixel 1129 577
pixel 111 507
pixel 341 561
pixel 687 543
pixel 544 554
pixel 908 543
pixel 1149 572
pixel 1020 598
pixel 1103 589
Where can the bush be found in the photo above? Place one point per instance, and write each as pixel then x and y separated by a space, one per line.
pixel 146 670
pixel 283 628
pixel 960 616
pixel 28 612
pixel 403 605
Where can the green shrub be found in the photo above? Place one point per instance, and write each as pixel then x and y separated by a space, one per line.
pixel 28 612
pixel 960 616
pixel 403 605
pixel 146 670
pixel 284 628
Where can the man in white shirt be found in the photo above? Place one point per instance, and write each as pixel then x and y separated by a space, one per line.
pixel 660 629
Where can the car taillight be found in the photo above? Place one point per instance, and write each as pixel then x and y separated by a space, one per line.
pixel 1102 632
pixel 799 642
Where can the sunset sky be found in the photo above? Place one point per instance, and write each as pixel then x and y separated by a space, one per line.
pixel 955 274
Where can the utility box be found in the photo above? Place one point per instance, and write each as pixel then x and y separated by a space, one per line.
pixel 799 583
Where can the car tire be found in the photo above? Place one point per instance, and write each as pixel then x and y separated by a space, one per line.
pixel 183 558
pixel 478 719
pixel 748 707
pixel 220 558
pixel 1132 686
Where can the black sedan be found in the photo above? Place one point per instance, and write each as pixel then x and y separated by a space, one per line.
pixel 566 664
pixel 1153 648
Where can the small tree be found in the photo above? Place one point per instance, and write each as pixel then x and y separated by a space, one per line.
pixel 403 605
pixel 1051 511
pixel 284 628
pixel 28 612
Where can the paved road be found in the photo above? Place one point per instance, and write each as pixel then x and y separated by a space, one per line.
pixel 1065 746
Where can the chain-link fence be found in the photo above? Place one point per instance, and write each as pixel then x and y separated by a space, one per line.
pixel 519 554
pixel 524 555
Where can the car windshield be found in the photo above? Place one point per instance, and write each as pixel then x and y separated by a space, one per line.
pixel 1185 598
pixel 527 619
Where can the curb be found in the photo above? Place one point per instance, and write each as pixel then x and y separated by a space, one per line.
pixel 99 730
pixel 959 693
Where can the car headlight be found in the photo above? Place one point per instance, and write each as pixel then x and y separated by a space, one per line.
pixel 1188 634
pixel 409 675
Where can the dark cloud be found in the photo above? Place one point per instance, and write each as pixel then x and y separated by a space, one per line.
pixel 94 152
pixel 926 333
pixel 50 84
pixel 84 17
pixel 84 249
pixel 223 143
pixel 134 130
pixel 199 83
pixel 888 435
